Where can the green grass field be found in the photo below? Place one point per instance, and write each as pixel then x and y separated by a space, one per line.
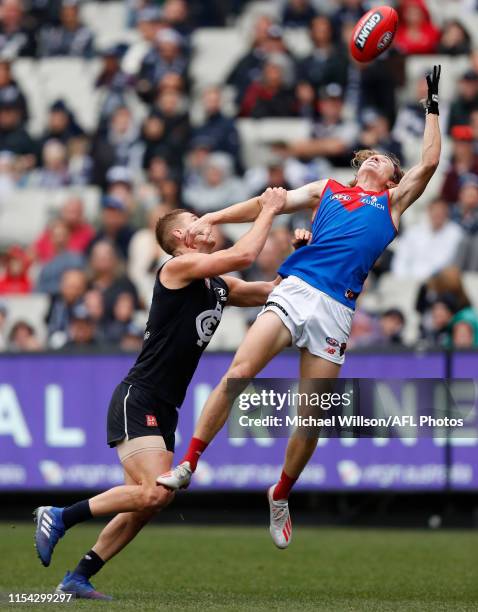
pixel 219 568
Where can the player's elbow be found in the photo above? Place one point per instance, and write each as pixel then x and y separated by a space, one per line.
pixel 430 165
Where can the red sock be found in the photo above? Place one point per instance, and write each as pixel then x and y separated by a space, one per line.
pixel 283 487
pixel 195 450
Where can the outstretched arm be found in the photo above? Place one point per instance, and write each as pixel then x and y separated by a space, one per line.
pixel 305 197
pixel 414 182
pixel 182 269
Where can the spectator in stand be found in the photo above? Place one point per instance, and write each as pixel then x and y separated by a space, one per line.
pixel 152 136
pixel 176 15
pixel 72 291
pixel 82 329
pixel 16 39
pixel 119 146
pixel 145 255
pixel 119 185
pixel 123 313
pixel 216 128
pixel 466 101
pixel 445 286
pixel 54 172
pixel 13 135
pixel 465 210
pixel 416 33
pixel 50 276
pixel 217 188
pixel 272 95
pixel 348 12
pixel 411 118
pixel 258 179
pixel 9 88
pixel 148 24
pixel 69 38
pixel 328 62
pixel 333 136
pixel 61 124
pixel 166 56
pixel 365 330
pixel 435 325
pixel 114 86
pixel 114 226
pixel 298 14
pixel 455 39
pixel 23 338
pixel 391 326
pixel 268 39
pixel 464 329
pixel 376 135
pixel 427 247
pixel 14 278
pixel 95 305
pixel 81 232
pixel 464 160
pixel 108 278
pixel 173 109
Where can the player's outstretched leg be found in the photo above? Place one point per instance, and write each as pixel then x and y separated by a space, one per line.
pixel 52 522
pixel 140 468
pixel 267 337
pixel 300 448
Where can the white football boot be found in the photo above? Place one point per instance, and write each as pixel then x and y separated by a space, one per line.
pixel 281 524
pixel 177 478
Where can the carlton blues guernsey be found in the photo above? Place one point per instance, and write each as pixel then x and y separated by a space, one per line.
pixel 180 325
pixel 350 230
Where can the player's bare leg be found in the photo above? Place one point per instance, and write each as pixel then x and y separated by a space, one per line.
pixel 267 337
pixel 300 449
pixel 139 470
pixel 125 526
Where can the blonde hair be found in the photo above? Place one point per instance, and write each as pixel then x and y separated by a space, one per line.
pixel 364 154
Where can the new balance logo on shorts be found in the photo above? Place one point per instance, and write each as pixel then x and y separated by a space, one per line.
pixel 281 308
pixel 151 420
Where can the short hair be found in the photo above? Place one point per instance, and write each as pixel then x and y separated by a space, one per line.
pixel 164 225
pixel 363 154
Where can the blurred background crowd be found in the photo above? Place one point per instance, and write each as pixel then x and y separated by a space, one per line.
pixel 115 113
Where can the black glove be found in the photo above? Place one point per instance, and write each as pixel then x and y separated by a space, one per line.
pixel 431 103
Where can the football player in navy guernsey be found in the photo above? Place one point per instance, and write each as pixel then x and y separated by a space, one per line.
pixel 188 299
pixel 314 306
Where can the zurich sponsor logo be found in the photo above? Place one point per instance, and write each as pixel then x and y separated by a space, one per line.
pixel 372 201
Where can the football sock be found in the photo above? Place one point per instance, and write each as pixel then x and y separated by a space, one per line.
pixel 283 487
pixel 195 450
pixel 77 513
pixel 89 565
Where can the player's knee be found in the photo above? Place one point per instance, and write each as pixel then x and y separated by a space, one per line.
pixel 155 498
pixel 242 369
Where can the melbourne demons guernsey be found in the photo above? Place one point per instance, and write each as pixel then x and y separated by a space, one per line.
pixel 351 228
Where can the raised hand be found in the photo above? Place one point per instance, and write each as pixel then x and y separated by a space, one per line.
pixel 433 79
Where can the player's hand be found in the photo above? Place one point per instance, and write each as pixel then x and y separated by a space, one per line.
pixel 274 199
pixel 433 79
pixel 200 229
pixel 302 237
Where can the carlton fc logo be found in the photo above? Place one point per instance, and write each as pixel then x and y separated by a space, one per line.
pixel 206 324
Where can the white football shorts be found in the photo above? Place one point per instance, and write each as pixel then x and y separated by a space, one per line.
pixel 316 321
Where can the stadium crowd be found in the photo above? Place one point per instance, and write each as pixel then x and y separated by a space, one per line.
pixel 99 276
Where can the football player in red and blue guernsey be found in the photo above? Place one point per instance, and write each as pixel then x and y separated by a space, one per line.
pixel 314 306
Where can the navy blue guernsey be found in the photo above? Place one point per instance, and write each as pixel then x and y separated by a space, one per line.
pixel 180 325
